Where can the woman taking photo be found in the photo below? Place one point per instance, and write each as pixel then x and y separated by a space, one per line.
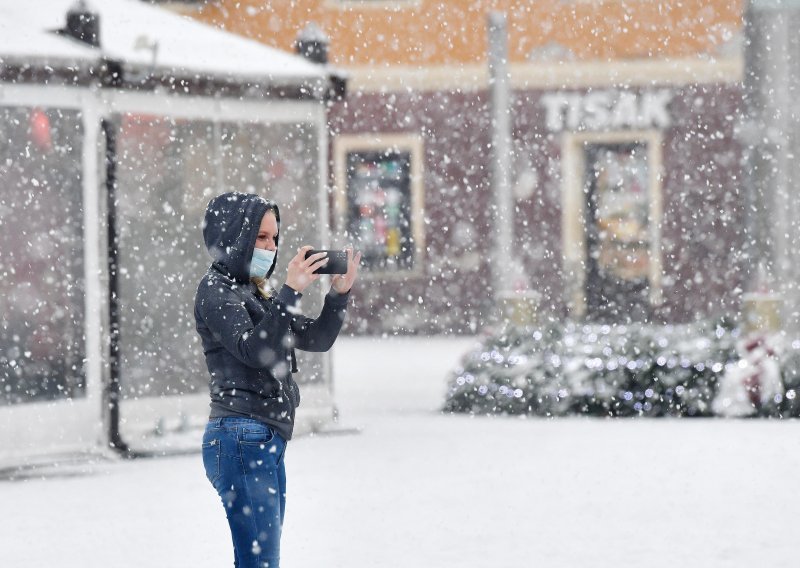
pixel 249 333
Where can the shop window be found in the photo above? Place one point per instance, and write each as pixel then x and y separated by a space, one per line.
pixel 617 229
pixel 611 211
pixel 379 205
pixel 42 347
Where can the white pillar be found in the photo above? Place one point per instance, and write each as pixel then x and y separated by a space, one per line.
pixel 772 61
pixel 503 218
pixel 94 253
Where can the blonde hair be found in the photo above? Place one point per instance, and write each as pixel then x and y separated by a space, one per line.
pixel 263 286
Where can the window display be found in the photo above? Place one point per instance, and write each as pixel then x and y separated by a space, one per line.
pixel 42 348
pixel 618 229
pixel 379 208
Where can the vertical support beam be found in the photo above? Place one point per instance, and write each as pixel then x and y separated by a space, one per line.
pixel 92 253
pixel 768 135
pixel 751 133
pixel 780 116
pixel 219 171
pixel 503 217
pixel 320 121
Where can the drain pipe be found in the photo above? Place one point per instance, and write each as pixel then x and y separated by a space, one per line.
pixel 112 388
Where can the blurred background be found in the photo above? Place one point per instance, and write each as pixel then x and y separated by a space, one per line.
pixel 575 208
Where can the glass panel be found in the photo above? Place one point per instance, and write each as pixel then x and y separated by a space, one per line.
pixel 379 208
pixel 618 230
pixel 168 170
pixel 279 162
pixel 41 265
pixel 166 175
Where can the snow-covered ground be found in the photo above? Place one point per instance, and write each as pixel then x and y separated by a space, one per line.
pixel 417 488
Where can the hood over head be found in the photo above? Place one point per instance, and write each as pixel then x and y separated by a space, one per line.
pixel 230 229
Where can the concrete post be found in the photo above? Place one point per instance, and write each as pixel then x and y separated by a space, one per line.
pixel 772 63
pixel 513 301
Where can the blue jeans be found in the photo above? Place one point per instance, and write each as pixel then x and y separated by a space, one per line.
pixel 243 459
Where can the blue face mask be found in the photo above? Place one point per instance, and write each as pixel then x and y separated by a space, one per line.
pixel 261 261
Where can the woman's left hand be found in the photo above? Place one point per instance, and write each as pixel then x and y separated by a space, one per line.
pixel 343 282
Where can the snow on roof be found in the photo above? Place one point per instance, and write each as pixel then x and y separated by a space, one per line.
pixel 24 42
pixel 131 32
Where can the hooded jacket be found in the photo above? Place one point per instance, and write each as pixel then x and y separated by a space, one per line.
pixel 248 339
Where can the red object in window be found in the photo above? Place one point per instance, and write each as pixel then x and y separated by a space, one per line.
pixel 277 169
pixel 41 135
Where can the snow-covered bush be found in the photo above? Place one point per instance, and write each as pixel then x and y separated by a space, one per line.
pixel 604 370
pixel 790 373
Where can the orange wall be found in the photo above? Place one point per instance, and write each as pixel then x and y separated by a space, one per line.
pixel 453 32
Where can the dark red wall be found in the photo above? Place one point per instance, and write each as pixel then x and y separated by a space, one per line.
pixel 702 207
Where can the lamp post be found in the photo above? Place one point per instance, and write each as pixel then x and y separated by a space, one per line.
pixel 514 303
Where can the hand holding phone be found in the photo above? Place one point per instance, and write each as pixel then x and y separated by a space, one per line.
pixel 342 283
pixel 337 262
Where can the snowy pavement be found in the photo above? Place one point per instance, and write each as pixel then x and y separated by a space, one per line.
pixel 417 488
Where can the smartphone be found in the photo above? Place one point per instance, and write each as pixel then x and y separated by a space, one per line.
pixel 337 262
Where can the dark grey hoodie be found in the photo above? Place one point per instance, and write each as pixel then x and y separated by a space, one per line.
pixel 248 339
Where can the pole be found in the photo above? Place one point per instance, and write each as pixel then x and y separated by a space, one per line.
pixel 503 218
pixel 771 61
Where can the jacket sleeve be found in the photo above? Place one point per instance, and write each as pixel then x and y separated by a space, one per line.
pixel 320 333
pixel 254 344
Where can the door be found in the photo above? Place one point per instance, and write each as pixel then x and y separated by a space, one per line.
pixel 618 233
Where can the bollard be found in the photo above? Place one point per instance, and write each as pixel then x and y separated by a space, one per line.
pixel 519 308
pixel 762 312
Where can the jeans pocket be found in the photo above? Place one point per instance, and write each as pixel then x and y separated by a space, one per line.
pixel 261 456
pixel 211 459
pixel 256 435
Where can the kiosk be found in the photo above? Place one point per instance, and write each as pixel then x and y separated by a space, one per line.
pixel 118 122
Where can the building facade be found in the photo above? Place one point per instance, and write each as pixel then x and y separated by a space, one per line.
pixel 626 172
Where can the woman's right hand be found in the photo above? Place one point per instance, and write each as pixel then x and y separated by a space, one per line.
pixel 301 269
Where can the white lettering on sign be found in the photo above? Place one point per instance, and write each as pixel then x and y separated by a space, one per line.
pixel 599 110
